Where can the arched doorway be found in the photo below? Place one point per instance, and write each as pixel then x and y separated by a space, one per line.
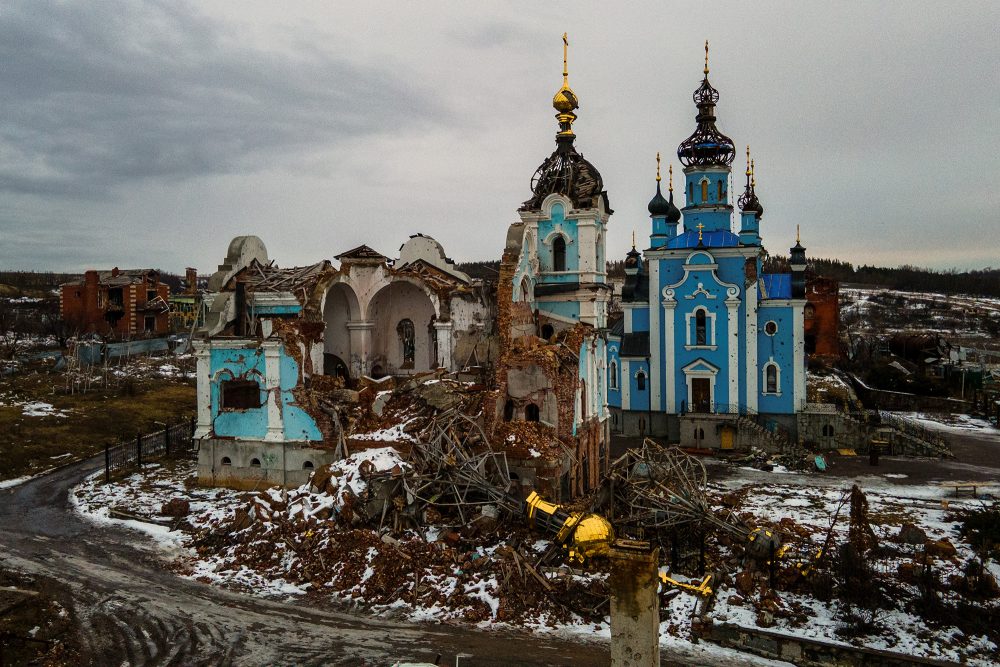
pixel 339 308
pixel 402 343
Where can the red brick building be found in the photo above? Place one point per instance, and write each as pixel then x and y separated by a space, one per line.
pixel 118 303
pixel 822 317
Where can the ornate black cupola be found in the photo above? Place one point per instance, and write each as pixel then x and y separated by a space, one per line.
pixel 566 172
pixel 797 260
pixel 748 200
pixel 659 207
pixel 707 146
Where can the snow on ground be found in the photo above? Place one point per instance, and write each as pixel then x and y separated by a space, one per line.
pixel 954 423
pixel 808 500
pixel 811 501
pixel 41 409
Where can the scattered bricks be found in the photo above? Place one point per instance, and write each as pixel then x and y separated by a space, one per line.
pixel 176 507
pixel 910 533
pixel 942 549
pixel 745 582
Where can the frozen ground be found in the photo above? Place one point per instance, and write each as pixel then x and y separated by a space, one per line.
pixel 804 501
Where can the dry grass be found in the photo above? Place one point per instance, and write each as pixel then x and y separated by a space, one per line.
pixel 32 444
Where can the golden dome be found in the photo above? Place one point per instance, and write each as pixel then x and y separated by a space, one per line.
pixel 565 101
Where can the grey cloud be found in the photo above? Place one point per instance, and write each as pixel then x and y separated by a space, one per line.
pixel 102 94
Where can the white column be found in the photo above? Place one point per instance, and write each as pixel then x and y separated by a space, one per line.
pixel 799 362
pixel 202 355
pixel 625 383
pixel 751 347
pixel 732 349
pixel 361 342
pixel 655 344
pixel 443 332
pixel 670 365
pixel 272 383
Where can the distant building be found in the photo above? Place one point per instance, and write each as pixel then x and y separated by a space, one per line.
pixel 119 302
pixel 185 308
pixel 821 316
pixel 706 336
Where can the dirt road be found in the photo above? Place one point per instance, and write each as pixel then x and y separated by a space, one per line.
pixel 135 611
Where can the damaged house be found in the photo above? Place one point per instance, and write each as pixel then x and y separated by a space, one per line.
pixel 119 302
pixel 281 348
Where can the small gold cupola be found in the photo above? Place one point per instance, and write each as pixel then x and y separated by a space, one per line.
pixel 565 100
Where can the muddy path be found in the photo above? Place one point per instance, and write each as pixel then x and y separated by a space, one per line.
pixel 132 609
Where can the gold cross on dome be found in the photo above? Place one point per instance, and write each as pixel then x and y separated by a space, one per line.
pixel 700 227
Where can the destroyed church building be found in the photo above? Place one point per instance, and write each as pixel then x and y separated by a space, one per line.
pixel 280 345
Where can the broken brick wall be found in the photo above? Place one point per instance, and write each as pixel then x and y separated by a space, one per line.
pixel 822 317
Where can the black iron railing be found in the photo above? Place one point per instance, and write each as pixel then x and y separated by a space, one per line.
pixel 172 441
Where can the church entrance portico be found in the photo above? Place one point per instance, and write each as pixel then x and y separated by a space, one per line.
pixel 701 377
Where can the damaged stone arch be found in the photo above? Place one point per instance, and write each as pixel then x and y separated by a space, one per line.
pixel 224 375
pixel 389 309
pixel 342 347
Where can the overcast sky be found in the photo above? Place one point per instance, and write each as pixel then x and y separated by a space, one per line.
pixel 150 134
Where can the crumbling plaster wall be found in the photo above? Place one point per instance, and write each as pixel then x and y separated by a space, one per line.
pixel 230 463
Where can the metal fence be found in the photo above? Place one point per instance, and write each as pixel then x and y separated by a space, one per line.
pixel 172 441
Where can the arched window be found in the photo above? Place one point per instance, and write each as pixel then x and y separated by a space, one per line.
pixel 525 288
pixel 531 413
pixel 226 461
pixel 508 410
pixel 700 330
pixel 699 433
pixel 407 341
pixel 254 463
pixel 704 191
pixel 640 381
pixel 613 375
pixel 828 430
pixel 308 465
pixel 771 379
pixel 559 254
pixel 721 193
pixel 547 331
pixel 690 193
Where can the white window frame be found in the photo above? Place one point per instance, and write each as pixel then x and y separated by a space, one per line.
pixel 777 376
pixel 709 333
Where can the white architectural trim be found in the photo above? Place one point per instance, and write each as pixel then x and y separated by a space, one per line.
pixel 627 312
pixel 700 369
pixel 655 341
pixel 613 382
pixel 798 361
pixel 750 345
pixel 732 308
pixel 202 354
pixel 626 386
pixel 272 380
pixel 669 317
pixel 709 333
pixel 763 377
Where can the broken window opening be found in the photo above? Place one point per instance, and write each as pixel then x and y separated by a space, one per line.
pixel 407 341
pixel 699 434
pixel 308 465
pixel 226 461
pixel 116 298
pixel 508 410
pixel 532 413
pixel 547 331
pixel 239 395
pixel 700 329
pixel 150 294
pixel 828 430
pixel 254 463
pixel 432 337
pixel 149 324
pixel 559 254
pixel 810 341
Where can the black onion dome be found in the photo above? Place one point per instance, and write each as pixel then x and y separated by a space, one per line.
pixel 707 146
pixel 568 173
pixel 658 206
pixel 674 214
pixel 749 203
pixel 632 258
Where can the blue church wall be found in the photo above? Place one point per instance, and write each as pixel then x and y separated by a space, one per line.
pixel 246 363
pixel 780 349
pixel 614 369
pixel 640 319
pixel 251 424
pixel 567 309
pixel 557 223
pixel 638 398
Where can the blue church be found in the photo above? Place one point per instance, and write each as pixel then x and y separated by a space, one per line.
pixel 710 349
